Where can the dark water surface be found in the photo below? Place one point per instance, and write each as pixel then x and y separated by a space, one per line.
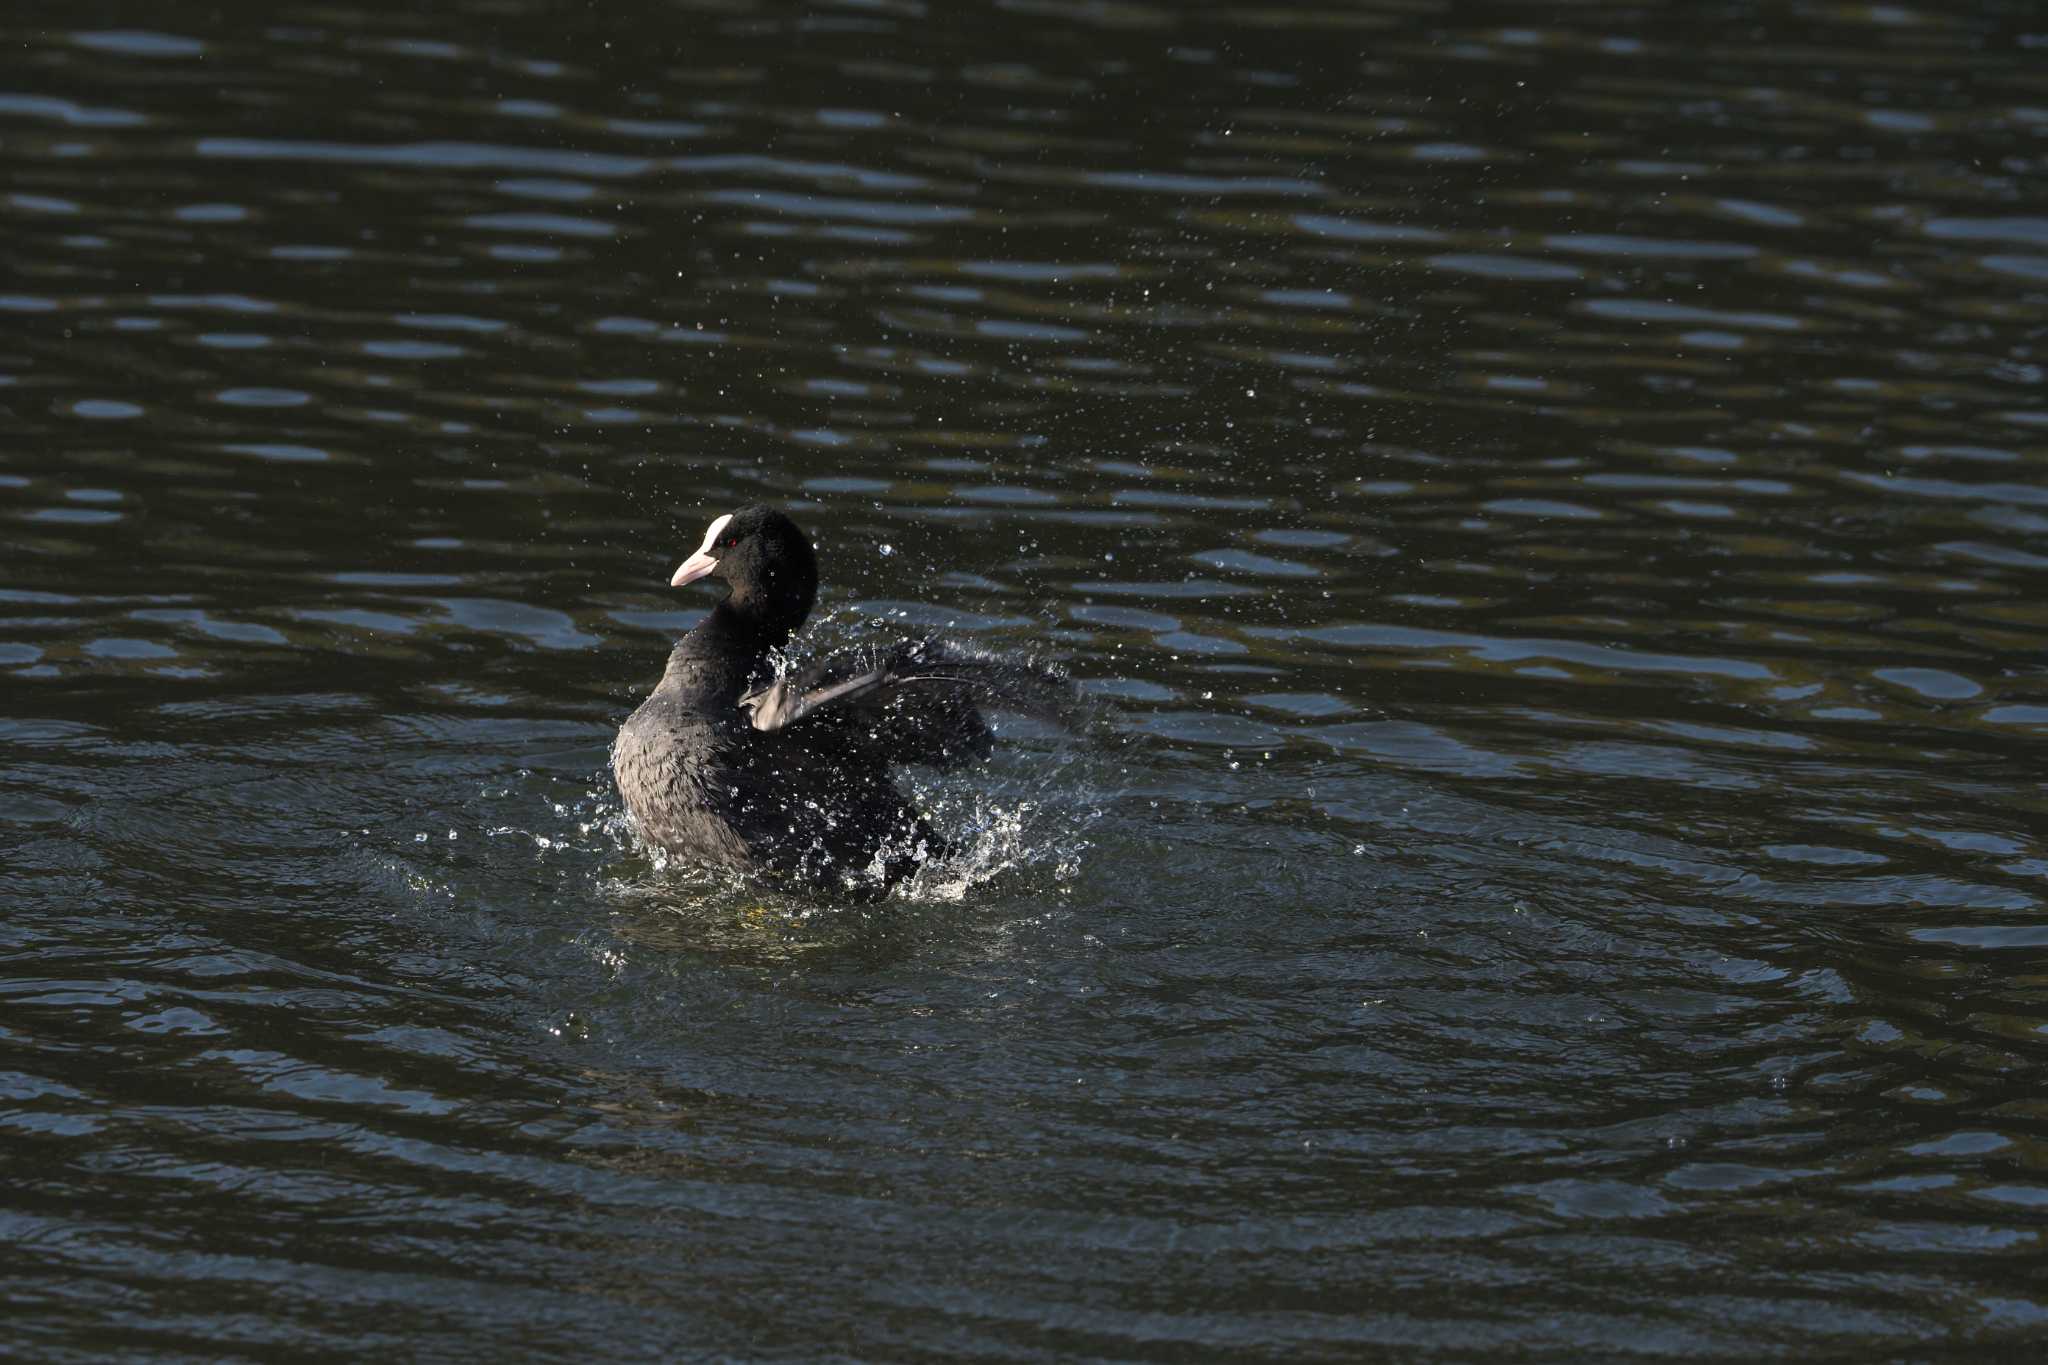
pixel 1551 499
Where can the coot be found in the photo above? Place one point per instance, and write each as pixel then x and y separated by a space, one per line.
pixel 726 764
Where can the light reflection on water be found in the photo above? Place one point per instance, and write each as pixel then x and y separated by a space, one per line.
pixel 1551 514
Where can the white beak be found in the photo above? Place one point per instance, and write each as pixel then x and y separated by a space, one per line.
pixel 694 568
pixel 702 562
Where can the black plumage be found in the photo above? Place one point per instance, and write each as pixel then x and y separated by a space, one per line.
pixel 728 765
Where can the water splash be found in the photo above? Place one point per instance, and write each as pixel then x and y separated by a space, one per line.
pixel 1024 812
pixel 1013 826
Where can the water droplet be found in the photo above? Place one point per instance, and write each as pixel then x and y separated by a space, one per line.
pixel 887 549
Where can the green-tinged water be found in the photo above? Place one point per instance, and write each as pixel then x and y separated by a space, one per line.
pixel 1549 501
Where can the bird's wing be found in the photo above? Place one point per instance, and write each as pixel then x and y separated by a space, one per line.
pixel 917 702
pixel 786 701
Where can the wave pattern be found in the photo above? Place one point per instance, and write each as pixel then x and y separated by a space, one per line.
pixel 1552 510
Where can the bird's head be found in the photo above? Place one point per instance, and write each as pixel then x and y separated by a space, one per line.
pixel 766 560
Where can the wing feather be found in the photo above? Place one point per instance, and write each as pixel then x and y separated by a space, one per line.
pixel 917 702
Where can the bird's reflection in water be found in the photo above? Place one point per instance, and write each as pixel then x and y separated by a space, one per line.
pixel 698 913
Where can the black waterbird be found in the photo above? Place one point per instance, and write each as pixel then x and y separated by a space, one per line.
pixel 728 765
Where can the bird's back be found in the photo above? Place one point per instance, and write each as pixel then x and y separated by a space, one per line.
pixel 805 804
pixel 666 762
